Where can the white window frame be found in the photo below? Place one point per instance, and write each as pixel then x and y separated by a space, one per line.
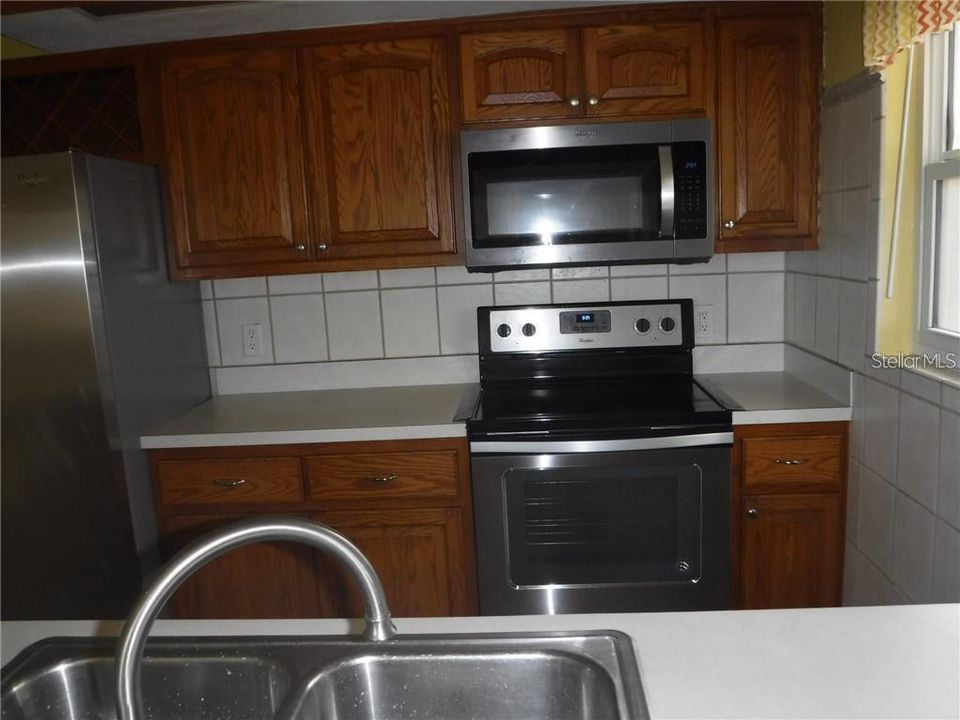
pixel 938 164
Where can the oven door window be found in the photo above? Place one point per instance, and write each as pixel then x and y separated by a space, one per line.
pixel 596 526
pixel 561 196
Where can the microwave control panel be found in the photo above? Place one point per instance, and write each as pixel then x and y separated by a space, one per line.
pixel 690 189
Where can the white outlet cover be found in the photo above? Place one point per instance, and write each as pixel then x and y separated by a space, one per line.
pixel 703 320
pixel 252 340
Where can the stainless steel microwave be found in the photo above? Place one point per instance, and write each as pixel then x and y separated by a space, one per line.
pixel 602 194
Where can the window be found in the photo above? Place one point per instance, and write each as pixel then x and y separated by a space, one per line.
pixel 939 301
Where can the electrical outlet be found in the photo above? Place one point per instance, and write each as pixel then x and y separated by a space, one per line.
pixel 703 316
pixel 252 340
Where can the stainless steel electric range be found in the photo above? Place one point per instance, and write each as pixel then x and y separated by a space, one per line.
pixel 601 468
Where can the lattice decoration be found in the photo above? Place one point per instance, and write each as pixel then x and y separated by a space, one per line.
pixel 93 110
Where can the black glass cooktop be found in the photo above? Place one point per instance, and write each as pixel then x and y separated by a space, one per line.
pixel 611 409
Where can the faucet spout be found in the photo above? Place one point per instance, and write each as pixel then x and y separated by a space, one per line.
pixel 379 626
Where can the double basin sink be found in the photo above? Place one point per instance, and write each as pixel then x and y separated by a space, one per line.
pixel 576 676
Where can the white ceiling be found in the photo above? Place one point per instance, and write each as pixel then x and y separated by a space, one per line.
pixel 71 30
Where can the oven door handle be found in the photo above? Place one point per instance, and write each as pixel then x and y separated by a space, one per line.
pixel 667 190
pixel 586 446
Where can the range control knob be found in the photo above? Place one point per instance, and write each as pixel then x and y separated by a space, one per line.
pixel 528 329
pixel 667 324
pixel 503 330
pixel 643 326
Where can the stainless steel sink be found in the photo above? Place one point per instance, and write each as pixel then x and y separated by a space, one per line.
pixel 588 676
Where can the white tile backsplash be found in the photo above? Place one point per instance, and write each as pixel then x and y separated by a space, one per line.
pixel 410 325
pixel 916 464
pixel 705 290
pixel 458 275
pixel 343 281
pixel 638 288
pixel 566 291
pixel 522 293
pixel 945 585
pixel 828 318
pixel 458 316
pixel 637 270
pixel 295 284
pixel 875 537
pixel 521 275
pixel 354 328
pixel 232 315
pixel 750 320
pixel 948 485
pixel 756 262
pixel 299 328
pixel 239 287
pixel 415 277
pixel 855 234
pixel 210 330
pixel 857 151
pixel 881 428
pixel 716 264
pixel 852 324
pixel 912 549
pixel 580 273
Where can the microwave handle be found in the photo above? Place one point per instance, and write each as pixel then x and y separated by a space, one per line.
pixel 666 190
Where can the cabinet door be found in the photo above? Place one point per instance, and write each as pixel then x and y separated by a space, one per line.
pixel 649 69
pixel 520 75
pixel 420 556
pixel 768 80
pixel 377 127
pixel 264 580
pixel 234 159
pixel 790 551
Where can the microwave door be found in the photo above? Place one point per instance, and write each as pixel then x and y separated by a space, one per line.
pixel 667 191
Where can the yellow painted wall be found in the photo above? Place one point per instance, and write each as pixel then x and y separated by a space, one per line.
pixel 11 49
pixel 842 40
pixel 898 314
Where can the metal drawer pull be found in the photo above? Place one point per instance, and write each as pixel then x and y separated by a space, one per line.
pixel 382 478
pixel 753 513
pixel 778 461
pixel 230 483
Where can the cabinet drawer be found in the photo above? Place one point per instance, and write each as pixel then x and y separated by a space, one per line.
pixel 230 480
pixel 427 474
pixel 791 463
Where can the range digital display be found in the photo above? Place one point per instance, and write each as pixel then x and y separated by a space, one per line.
pixel 585 321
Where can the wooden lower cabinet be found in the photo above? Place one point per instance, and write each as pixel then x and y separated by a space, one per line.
pixel 418 555
pixel 405 504
pixel 790 551
pixel 268 580
pixel 789 496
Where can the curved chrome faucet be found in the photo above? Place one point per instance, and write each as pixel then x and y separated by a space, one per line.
pixel 379 627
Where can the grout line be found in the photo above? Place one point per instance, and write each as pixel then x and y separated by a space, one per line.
pixel 273 339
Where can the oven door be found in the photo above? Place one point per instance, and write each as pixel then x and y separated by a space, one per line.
pixel 603 532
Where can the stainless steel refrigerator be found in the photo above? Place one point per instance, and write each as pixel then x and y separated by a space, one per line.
pixel 98 347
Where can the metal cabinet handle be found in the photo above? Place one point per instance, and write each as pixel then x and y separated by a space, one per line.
pixel 753 513
pixel 593 100
pixel 382 478
pixel 301 247
pixel 797 461
pixel 321 246
pixel 729 224
pixel 574 102
pixel 230 483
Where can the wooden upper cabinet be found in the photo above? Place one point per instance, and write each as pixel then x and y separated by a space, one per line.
pixel 767 108
pixel 376 116
pixel 650 69
pixel 234 158
pixel 520 75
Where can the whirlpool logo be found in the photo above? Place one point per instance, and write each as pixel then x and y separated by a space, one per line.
pixel 587 133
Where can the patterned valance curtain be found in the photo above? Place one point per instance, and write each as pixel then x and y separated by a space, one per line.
pixel 891 26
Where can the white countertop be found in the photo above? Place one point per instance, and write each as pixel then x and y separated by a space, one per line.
pixel 871 662
pixel 758 398
pixel 430 411
pixel 387 413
